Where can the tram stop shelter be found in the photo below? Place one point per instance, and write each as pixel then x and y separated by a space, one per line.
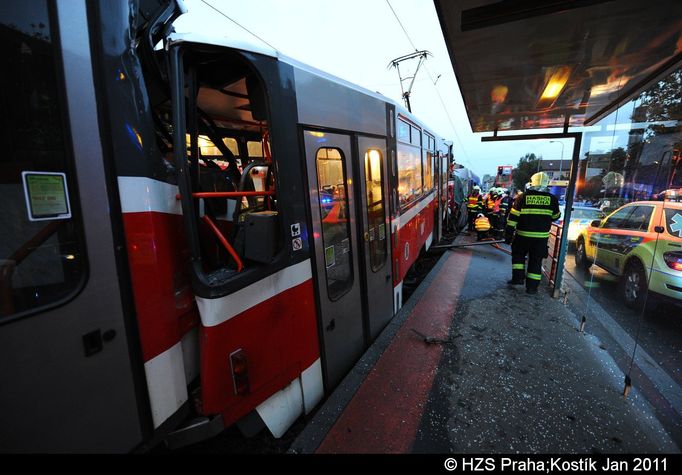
pixel 470 365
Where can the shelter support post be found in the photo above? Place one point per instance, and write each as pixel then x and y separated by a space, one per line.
pixel 570 190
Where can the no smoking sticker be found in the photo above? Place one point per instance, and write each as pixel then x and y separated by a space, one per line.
pixel 297 244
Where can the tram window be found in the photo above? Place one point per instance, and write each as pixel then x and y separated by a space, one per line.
pixel 42 262
pixel 403 131
pixel 415 136
pixel 409 173
pixel 376 216
pixel 206 147
pixel 232 145
pixel 427 164
pixel 428 170
pixel 332 192
pixel 255 149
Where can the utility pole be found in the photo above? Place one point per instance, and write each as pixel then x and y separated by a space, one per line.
pixel 421 55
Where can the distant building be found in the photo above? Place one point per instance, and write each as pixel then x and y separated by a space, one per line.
pixel 487 183
pixel 556 169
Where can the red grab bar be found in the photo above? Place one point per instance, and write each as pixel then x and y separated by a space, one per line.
pixel 224 242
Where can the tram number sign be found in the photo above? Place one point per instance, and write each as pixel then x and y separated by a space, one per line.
pixel 47 195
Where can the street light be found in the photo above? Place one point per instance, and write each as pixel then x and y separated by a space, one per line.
pixel 561 163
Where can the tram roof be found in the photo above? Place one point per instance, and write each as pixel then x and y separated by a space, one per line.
pixel 191 37
pixel 224 41
pixel 528 64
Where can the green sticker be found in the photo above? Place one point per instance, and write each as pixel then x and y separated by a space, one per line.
pixel 329 256
pixel 538 200
pixel 46 195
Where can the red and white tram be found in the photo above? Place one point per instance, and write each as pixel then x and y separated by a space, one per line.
pixel 205 232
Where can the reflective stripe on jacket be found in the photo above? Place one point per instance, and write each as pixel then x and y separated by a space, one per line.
pixel 473 201
pixel 482 224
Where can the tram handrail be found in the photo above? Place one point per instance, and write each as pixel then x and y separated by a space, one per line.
pixel 224 242
pixel 218 233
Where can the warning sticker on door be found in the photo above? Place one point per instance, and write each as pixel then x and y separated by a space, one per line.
pixel 382 232
pixel 295 229
pixel 329 256
pixel 345 246
pixel 297 244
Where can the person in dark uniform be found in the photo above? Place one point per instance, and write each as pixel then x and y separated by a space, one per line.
pixel 530 219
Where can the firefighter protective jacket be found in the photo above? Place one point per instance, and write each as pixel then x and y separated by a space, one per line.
pixel 532 214
pixel 474 202
pixel 482 224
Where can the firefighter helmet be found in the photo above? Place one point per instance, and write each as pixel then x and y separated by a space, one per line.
pixel 539 180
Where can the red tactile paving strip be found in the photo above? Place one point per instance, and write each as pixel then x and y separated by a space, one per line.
pixel 384 414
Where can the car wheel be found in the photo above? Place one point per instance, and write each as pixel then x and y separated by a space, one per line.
pixel 580 255
pixel 634 285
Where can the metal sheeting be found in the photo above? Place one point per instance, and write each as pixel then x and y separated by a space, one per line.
pixel 595 55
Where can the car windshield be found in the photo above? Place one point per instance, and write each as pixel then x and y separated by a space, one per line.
pixel 584 213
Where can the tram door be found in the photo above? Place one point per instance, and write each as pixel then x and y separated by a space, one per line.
pixel 329 162
pixel 65 360
pixel 373 194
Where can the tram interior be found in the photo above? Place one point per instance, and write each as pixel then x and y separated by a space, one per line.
pixel 232 154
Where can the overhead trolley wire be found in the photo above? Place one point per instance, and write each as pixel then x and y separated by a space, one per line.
pixel 238 24
pixel 401 25
pixel 440 98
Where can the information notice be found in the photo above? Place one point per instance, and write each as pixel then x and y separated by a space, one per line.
pixel 46 195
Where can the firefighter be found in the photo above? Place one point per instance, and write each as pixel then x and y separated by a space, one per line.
pixel 490 201
pixel 531 217
pixel 499 213
pixel 505 206
pixel 482 226
pixel 474 206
